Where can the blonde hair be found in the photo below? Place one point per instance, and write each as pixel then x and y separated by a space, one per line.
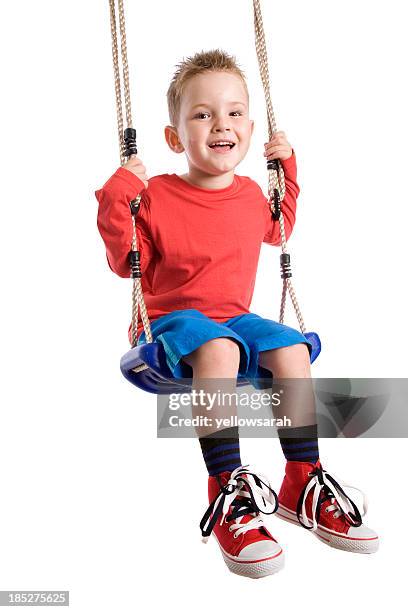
pixel 215 60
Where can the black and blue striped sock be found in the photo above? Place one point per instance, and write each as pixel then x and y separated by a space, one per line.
pixel 300 443
pixel 221 451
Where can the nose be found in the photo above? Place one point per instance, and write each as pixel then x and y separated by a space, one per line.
pixel 221 124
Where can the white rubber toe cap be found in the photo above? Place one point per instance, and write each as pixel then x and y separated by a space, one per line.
pixel 361 532
pixel 260 550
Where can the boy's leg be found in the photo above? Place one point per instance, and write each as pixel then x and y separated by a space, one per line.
pixel 215 364
pixel 292 363
pixel 247 546
pixel 309 496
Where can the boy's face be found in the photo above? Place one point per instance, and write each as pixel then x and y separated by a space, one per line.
pixel 214 107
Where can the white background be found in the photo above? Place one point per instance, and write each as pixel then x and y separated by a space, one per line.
pixel 91 500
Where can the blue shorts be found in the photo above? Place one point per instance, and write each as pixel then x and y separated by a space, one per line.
pixel 183 331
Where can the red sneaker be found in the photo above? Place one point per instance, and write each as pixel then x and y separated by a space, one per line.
pixel 233 516
pixel 310 497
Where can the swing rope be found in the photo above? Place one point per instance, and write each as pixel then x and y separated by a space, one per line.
pixel 276 176
pixel 127 148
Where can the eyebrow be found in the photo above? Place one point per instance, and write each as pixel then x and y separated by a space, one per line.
pixel 208 104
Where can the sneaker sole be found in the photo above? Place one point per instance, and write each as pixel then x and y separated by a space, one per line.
pixel 333 539
pixel 257 568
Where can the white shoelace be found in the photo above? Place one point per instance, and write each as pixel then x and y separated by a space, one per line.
pixel 340 504
pixel 255 487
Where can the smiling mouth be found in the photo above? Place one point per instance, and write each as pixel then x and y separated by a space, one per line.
pixel 222 148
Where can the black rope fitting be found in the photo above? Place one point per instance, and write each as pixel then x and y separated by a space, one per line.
pixel 277 205
pixel 272 164
pixel 129 137
pixel 134 206
pixel 134 260
pixel 285 265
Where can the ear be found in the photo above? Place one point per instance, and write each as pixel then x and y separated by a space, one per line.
pixel 172 139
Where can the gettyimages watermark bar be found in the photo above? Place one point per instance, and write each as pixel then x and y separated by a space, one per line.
pixel 344 407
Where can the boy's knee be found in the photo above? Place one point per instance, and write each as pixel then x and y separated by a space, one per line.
pixel 292 356
pixel 299 351
pixel 218 350
pixel 293 352
pixel 221 347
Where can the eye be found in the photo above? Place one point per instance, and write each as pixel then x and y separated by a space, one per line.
pixel 201 115
pixel 236 113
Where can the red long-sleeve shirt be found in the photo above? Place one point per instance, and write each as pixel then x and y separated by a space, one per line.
pixel 199 248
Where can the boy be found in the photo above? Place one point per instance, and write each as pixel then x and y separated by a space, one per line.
pixel 200 236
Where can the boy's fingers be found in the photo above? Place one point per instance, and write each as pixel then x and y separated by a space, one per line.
pixel 278 134
pixel 139 167
pixel 272 147
pixel 276 153
pixel 135 162
pixel 276 141
pixel 275 148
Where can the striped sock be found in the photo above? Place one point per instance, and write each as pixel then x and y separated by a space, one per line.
pixel 221 454
pixel 300 443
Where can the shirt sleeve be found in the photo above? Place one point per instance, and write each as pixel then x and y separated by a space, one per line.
pixel 115 221
pixel 288 205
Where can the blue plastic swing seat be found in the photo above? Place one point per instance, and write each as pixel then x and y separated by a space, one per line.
pixel 157 377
